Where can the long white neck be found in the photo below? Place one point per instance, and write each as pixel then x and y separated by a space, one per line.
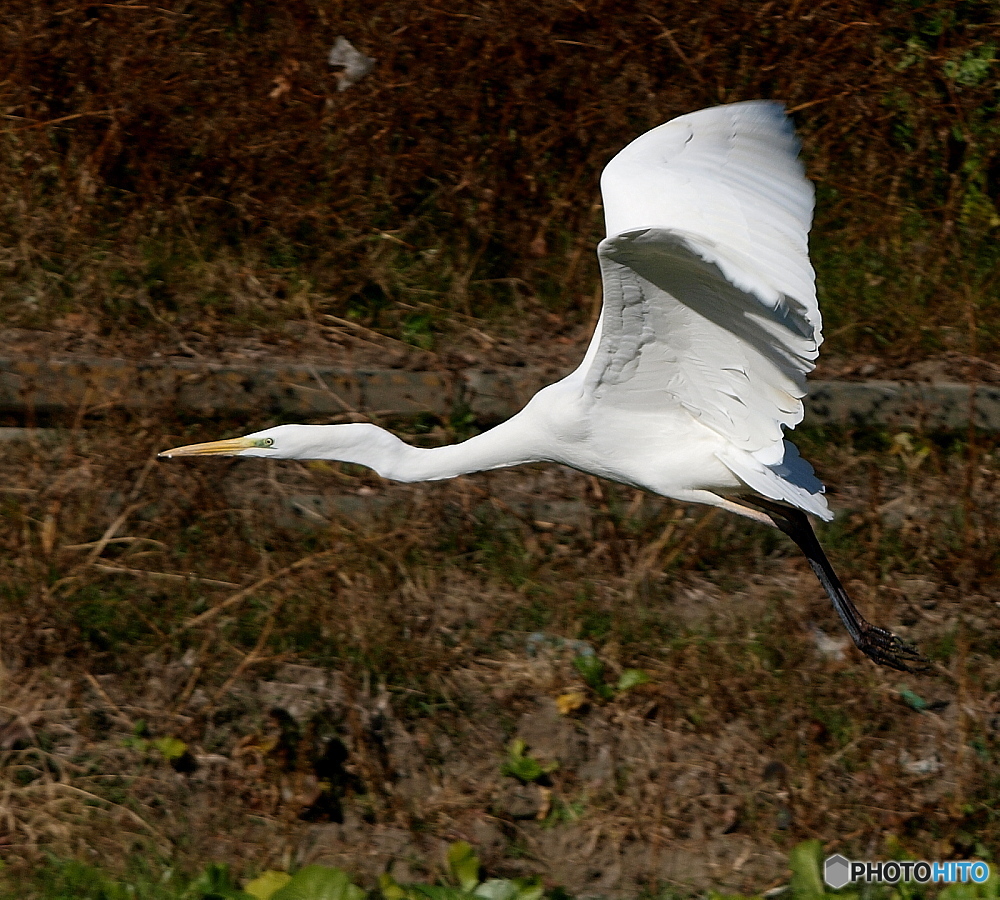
pixel 509 444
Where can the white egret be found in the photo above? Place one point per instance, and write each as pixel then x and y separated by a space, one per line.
pixel 710 324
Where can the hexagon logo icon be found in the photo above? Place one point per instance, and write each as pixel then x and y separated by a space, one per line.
pixel 837 871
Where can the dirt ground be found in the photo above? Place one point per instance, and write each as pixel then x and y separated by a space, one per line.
pixel 271 664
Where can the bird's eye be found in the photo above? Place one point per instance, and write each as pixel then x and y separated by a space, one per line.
pixel 268 442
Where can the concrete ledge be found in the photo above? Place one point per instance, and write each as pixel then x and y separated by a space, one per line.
pixel 930 406
pixel 258 392
pixel 211 389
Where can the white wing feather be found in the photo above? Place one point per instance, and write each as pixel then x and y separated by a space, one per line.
pixel 731 176
pixel 709 295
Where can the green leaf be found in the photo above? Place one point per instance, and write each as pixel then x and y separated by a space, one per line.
pixel 912 700
pixel 319 883
pixel 805 862
pixel 438 892
pixel 973 67
pixel 464 865
pixel 631 678
pixel 508 889
pixel 216 882
pixel 529 888
pixel 591 669
pixel 390 888
pixel 523 767
pixel 270 881
pixel 170 747
pixel 497 889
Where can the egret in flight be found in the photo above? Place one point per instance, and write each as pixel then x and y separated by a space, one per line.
pixel 698 362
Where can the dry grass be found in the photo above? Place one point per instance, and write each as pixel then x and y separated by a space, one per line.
pixel 354 705
pixel 193 168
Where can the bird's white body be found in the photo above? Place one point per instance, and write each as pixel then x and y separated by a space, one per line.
pixel 698 364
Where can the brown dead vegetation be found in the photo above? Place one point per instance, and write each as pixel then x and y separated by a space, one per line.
pixel 343 665
pixel 185 167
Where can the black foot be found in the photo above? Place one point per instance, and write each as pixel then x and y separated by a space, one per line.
pixel 887 649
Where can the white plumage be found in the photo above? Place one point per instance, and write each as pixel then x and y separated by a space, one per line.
pixel 709 327
pixel 709 298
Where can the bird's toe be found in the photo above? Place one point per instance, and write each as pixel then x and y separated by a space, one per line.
pixel 890 650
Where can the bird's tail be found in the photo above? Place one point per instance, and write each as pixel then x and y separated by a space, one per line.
pixel 791 480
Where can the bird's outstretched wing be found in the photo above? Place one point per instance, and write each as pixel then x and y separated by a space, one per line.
pixel 709 296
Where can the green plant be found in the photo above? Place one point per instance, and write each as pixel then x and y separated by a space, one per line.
pixel 309 883
pixel 463 869
pixel 525 768
pixel 591 669
pixel 564 812
pixel 58 879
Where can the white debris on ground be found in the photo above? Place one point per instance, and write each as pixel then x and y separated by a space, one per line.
pixel 356 64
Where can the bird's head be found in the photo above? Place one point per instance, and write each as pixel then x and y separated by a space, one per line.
pixel 267 443
pixel 362 443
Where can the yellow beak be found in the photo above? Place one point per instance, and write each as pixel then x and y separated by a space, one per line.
pixel 228 447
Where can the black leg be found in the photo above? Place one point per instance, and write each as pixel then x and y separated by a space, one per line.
pixel 879 645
